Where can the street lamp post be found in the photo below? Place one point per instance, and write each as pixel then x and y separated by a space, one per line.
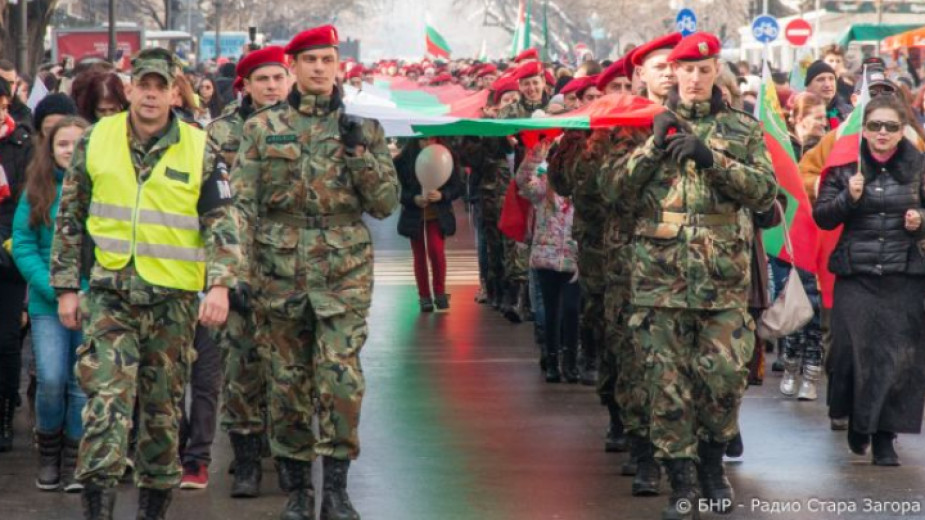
pixel 218 29
pixel 22 42
pixel 112 31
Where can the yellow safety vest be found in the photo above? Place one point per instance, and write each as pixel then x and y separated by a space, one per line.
pixel 156 222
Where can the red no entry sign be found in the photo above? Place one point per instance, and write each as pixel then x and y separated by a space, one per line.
pixel 798 32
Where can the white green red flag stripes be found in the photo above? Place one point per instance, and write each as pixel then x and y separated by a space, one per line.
pixel 798 215
pixel 846 150
pixel 606 112
pixel 436 44
pixel 521 40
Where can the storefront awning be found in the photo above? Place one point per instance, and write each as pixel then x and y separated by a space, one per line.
pixel 913 38
pixel 872 32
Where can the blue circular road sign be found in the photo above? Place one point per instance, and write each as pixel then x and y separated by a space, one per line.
pixel 686 22
pixel 765 28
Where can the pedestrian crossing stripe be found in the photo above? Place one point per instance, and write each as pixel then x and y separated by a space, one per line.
pixel 397 268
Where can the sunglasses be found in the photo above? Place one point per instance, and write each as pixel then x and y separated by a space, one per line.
pixel 890 126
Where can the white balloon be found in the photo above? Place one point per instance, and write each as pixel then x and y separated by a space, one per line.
pixel 433 167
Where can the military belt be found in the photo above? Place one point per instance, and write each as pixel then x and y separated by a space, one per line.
pixel 695 219
pixel 314 222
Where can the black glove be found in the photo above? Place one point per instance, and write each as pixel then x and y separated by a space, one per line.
pixel 351 131
pixel 661 123
pixel 687 146
pixel 240 298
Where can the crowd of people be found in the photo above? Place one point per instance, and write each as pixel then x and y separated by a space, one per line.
pixel 177 236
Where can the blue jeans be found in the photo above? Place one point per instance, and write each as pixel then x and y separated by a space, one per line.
pixel 59 400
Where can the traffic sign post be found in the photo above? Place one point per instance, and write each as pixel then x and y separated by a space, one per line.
pixel 798 32
pixel 765 29
pixel 686 22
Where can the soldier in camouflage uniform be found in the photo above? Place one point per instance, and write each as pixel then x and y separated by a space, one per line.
pixel 696 190
pixel 622 369
pixel 142 306
pixel 304 175
pixel 244 402
pixel 531 81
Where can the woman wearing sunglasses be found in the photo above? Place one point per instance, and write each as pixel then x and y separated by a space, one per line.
pixel 877 376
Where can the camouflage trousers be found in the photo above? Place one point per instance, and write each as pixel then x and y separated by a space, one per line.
pixel 516 260
pixel 315 357
pixel 696 370
pixel 244 399
pixel 495 253
pixel 627 370
pixel 129 351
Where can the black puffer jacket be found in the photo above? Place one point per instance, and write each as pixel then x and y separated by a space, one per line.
pixel 874 239
pixel 15 154
pixel 411 220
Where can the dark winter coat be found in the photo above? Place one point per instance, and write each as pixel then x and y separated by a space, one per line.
pixel 411 220
pixel 874 239
pixel 15 154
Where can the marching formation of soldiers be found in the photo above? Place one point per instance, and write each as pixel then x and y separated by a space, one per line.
pixel 254 228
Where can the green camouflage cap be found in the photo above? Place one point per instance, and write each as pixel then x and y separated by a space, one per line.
pixel 155 61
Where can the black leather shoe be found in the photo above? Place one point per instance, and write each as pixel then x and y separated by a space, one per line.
pixel 711 474
pixel 883 452
pixel 247 470
pixel 735 448
pixel 153 503
pixel 97 502
pixel 684 491
pixel 295 478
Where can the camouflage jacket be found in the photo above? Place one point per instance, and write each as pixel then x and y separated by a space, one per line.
pixel 224 131
pixel 694 231
pixel 292 166
pixel 582 168
pixel 217 219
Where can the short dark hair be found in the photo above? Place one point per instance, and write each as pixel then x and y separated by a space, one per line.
pixel 891 102
pixel 7 65
pixel 833 48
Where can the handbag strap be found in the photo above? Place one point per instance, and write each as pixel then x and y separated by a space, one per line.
pixel 788 244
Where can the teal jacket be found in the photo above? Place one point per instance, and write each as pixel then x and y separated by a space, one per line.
pixel 31 252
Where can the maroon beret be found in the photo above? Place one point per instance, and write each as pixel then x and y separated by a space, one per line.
pixel 356 72
pixel 669 41
pixel 503 85
pixel 273 55
pixel 579 85
pixel 530 69
pixel 529 54
pixel 317 38
pixel 622 68
pixel 696 47
pixel 486 70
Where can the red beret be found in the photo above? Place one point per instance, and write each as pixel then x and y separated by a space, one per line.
pixel 486 70
pixel 503 85
pixel 528 70
pixel 529 54
pixel 550 79
pixel 669 41
pixel 579 85
pixel 273 55
pixel 621 68
pixel 319 37
pixel 238 84
pixel 696 47
pixel 441 78
pixel 356 72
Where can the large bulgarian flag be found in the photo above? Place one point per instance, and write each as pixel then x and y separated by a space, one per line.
pixel 846 150
pixel 521 41
pixel 436 44
pixel 799 215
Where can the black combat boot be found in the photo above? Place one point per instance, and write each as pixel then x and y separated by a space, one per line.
pixel 589 345
pixel 69 481
pixel 516 299
pixel 335 502
pixel 295 477
pixel 49 475
pixel 7 408
pixel 153 503
pixel 735 448
pixel 616 441
pixel 508 298
pixel 552 367
pixel 713 482
pixel 570 364
pixel 684 499
pixel 247 470
pixel 883 452
pixel 97 502
pixel 648 477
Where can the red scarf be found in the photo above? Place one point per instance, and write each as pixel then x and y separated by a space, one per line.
pixel 5 131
